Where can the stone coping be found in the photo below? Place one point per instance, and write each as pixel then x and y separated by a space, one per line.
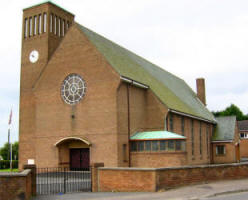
pixel 15 174
pixel 173 168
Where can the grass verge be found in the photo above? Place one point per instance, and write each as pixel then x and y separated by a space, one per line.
pixel 8 170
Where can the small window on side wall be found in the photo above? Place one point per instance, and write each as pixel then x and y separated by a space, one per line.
pixel 244 135
pixel 220 150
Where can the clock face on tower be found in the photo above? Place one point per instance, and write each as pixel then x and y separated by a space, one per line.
pixel 73 89
pixel 33 56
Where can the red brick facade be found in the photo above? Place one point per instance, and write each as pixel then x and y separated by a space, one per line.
pixel 109 113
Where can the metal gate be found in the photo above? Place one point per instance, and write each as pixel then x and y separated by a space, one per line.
pixel 62 180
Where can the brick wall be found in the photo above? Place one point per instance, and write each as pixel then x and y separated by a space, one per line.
pixel 154 179
pixel 16 185
pixel 126 180
pixel 228 157
pixel 158 159
pixel 174 177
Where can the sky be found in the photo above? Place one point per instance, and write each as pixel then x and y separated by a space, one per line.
pixel 189 38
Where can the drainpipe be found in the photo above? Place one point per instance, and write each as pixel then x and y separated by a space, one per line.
pixel 128 125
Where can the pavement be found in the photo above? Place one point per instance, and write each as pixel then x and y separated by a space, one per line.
pixel 192 192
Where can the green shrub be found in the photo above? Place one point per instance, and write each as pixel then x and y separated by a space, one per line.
pixel 5 164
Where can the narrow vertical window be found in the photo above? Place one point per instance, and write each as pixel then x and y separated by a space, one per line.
pixel 133 146
pixel 171 122
pixel 40 25
pixel 163 145
pixel 26 28
pixel 155 146
pixel 44 22
pixel 171 145
pixel 207 135
pixel 141 145
pixel 51 23
pixel 68 24
pixel 63 28
pixel 124 152
pixel 59 26
pixel 200 130
pixel 55 24
pixel 166 124
pixel 178 145
pixel 147 145
pixel 182 125
pixel 30 26
pixel 192 136
pixel 35 25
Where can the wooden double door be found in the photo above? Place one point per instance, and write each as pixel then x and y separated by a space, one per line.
pixel 80 159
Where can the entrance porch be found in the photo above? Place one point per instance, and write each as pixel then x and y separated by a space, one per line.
pixel 73 153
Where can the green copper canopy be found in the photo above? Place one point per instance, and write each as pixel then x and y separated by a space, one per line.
pixel 156 135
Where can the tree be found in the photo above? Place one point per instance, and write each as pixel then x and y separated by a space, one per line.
pixel 231 111
pixel 4 151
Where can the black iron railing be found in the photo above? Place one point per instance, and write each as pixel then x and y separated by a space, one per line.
pixel 62 180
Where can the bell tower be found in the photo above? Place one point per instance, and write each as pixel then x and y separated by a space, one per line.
pixel 44 26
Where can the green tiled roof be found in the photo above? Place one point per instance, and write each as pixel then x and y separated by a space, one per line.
pixel 171 90
pixel 153 135
pixel 225 129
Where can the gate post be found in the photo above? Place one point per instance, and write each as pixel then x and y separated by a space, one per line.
pixel 94 176
pixel 33 177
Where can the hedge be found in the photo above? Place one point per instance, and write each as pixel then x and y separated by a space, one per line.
pixel 5 164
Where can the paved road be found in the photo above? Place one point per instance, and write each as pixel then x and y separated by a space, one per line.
pixel 138 196
pixel 234 196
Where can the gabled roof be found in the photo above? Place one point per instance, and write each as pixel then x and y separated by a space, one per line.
pixel 156 135
pixel 243 125
pixel 225 129
pixel 171 90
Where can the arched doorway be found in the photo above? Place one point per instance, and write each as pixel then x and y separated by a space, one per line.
pixel 74 153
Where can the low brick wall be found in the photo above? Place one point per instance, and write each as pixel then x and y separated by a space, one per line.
pixel 126 180
pixel 154 179
pixel 16 186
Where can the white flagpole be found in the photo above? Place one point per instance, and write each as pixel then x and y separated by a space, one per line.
pixel 11 157
pixel 10 145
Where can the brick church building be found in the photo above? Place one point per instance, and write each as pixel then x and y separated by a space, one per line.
pixel 85 99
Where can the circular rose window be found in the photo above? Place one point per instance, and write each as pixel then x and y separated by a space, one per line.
pixel 73 89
